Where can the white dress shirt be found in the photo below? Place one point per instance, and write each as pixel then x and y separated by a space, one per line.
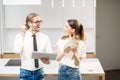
pixel 66 60
pixel 24 46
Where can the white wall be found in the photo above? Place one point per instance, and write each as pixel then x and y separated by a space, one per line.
pixel 107 31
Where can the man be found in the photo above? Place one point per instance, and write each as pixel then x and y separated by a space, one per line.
pixel 26 42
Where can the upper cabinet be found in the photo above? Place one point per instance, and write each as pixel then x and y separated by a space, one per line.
pixel 54 13
pixel 15 15
pixel 82 10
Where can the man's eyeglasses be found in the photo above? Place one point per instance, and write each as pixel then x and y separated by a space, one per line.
pixel 40 21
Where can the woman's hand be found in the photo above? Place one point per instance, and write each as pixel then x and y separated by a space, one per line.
pixel 67 49
pixel 74 52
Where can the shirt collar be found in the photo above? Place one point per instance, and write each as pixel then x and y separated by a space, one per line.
pixel 37 34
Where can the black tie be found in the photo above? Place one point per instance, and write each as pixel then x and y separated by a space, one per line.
pixel 35 49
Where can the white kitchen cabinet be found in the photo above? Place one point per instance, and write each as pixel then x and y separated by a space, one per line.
pixel 54 18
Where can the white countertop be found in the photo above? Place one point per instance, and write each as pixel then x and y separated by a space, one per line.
pixel 88 67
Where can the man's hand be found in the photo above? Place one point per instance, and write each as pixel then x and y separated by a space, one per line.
pixel 23 30
pixel 45 60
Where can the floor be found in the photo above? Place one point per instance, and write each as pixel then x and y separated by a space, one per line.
pixel 112 74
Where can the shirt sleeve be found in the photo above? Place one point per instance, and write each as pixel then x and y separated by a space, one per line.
pixel 48 46
pixel 82 50
pixel 18 43
pixel 59 45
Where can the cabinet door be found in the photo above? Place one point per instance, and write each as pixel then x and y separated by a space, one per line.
pixel 15 15
pixel 51 14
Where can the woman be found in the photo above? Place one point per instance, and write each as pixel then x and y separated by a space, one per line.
pixel 70 51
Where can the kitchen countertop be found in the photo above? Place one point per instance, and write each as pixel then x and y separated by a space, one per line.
pixel 89 67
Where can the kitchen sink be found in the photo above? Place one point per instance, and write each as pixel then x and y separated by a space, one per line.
pixel 13 62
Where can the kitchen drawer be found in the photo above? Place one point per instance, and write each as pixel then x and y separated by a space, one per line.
pixel 10 55
pixel 90 55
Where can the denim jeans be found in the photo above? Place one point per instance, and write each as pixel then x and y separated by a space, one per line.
pixel 68 73
pixel 31 75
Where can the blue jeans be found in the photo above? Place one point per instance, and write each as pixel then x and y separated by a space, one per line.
pixel 31 75
pixel 68 73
